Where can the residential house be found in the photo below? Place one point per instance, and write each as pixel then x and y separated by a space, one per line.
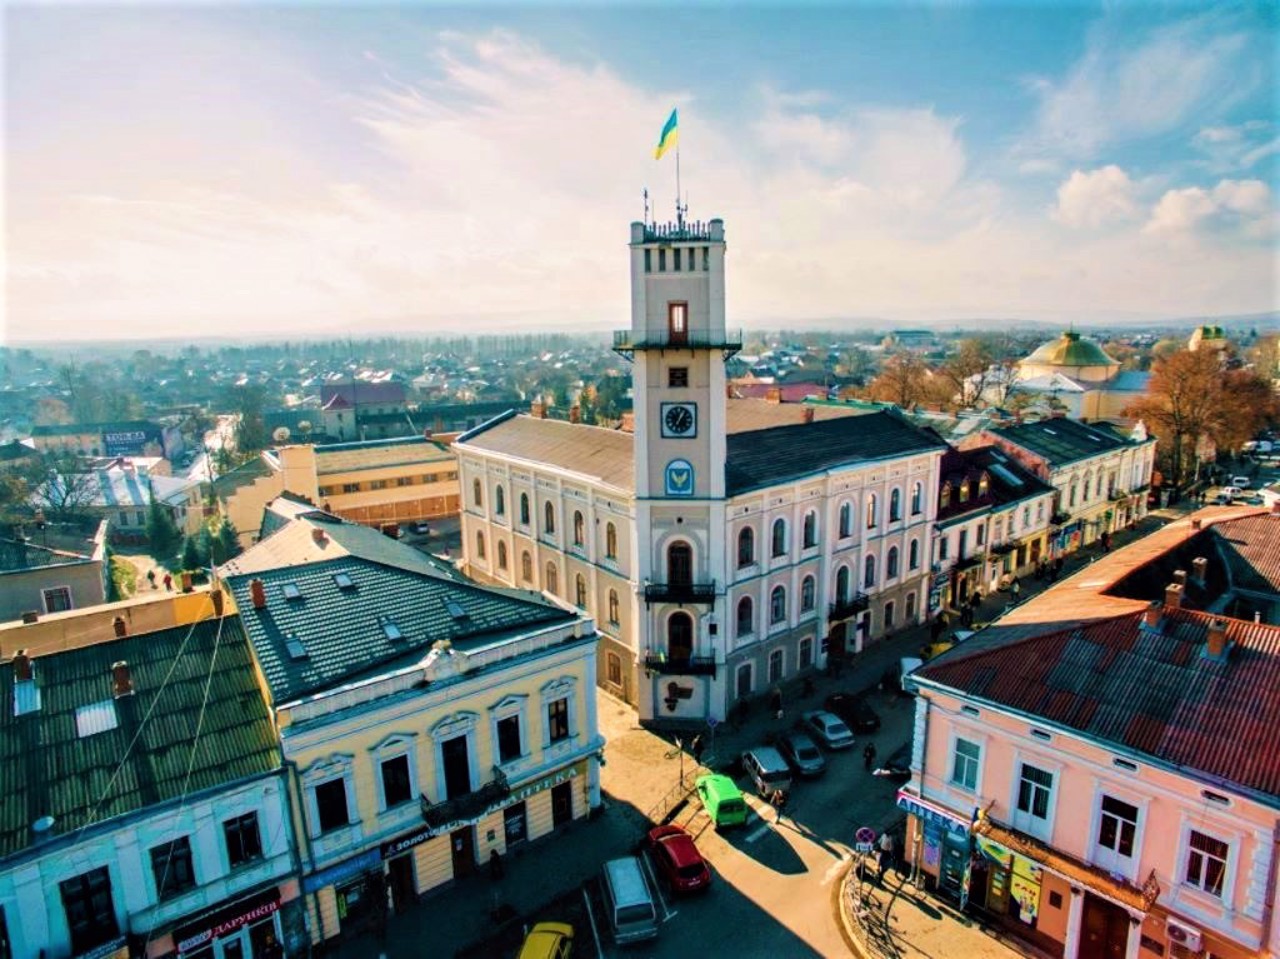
pixel 52 570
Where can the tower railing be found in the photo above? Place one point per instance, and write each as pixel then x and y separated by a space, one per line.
pixel 628 342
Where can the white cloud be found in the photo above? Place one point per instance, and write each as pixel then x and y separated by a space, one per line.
pixel 1230 149
pixel 1245 204
pixel 1096 198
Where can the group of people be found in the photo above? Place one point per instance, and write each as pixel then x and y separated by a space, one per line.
pixel 168 580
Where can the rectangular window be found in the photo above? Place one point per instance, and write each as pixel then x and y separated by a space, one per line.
pixel 614 668
pixel 982 535
pixel 678 322
pixel 509 739
pixel 943 547
pixel 1034 789
pixel 244 841
pixel 1207 863
pixel 172 868
pixel 676 258
pixel 377 484
pixel 331 805
pixel 648 261
pixel 57 599
pixel 806 653
pixel 964 764
pixel 91 916
pixel 396 788
pixel 678 376
pixel 558 720
pixel 350 487
pixel 404 480
pixel 1118 826
pixel 662 260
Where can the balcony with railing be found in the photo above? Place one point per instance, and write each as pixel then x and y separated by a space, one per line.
pixel 849 606
pixel 686 594
pixel 470 805
pixel 679 666
pixel 1004 549
pixel 628 342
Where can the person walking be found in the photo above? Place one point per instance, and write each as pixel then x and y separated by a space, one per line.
pixel 151 578
pixel 775 702
pixel 168 583
pixel 495 864
pixel 1016 589
pixel 868 756
pixel 886 852
pixel 696 748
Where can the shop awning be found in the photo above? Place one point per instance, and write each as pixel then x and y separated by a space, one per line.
pixel 931 812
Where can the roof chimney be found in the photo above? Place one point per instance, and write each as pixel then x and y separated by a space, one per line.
pixel 120 626
pixel 22 667
pixel 538 409
pixel 575 413
pixel 773 394
pixel 1151 615
pixel 1180 577
pixel 628 422
pixel 318 535
pixel 806 414
pixel 1275 507
pixel 121 681
pixel 215 594
pixel 1173 596
pixel 258 593
pixel 1200 568
pixel 1217 644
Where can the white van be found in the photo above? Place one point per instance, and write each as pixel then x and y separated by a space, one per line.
pixel 632 914
pixel 767 769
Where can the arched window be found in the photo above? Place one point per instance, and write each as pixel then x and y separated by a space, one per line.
pixel 680 564
pixel 746 546
pixel 913 555
pixel 479 545
pixel 524 509
pixel 964 492
pixel 613 606
pixel 871 511
pixel 1074 487
pixel 679 637
pixel 891 563
pixel 869 573
pixel 553 585
pixel 580 591
pixel 842 584
pixel 810 529
pixel 911 607
pixel 579 528
pixel 526 567
pixel 808 594
pixel 846 521
pixel 502 555
pixel 984 484
pixel 888 615
pixel 778 605
pixel 895 506
pixel 944 497
pixel 917 499
pixel 477 493
pixel 548 519
pixel 500 500
pixel 610 541
pixel 746 617
pixel 779 537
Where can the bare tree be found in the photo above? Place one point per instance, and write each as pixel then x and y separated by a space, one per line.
pixel 68 488
pixel 903 379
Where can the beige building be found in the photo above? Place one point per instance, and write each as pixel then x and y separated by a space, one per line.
pixel 373 483
pixel 1075 375
pixel 724 546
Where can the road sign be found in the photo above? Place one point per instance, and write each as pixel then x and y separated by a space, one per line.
pixel 864 839
pixel 712 722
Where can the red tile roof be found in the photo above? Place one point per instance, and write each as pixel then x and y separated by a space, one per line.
pixel 1251 547
pixel 1150 690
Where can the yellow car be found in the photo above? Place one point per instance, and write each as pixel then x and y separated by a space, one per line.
pixel 930 650
pixel 548 940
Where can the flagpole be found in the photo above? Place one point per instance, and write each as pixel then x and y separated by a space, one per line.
pixel 679 212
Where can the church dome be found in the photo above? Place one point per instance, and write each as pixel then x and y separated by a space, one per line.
pixel 1071 349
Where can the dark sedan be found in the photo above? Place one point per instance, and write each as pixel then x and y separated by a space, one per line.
pixel 854 710
pixel 897 766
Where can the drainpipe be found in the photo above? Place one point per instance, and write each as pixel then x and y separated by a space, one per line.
pixel 297 812
pixel 1269 901
pixel 918 844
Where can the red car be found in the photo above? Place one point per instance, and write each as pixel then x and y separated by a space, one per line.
pixel 677 860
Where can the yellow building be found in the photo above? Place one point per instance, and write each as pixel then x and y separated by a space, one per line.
pixel 375 482
pixel 427 721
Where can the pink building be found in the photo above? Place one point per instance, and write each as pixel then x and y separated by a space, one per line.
pixel 1109 787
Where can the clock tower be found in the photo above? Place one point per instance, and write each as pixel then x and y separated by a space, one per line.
pixel 678 346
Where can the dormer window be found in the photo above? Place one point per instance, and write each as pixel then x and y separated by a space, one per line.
pixel 964 492
pixel 945 496
pixel 678 322
pixel 983 484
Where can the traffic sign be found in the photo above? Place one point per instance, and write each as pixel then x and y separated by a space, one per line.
pixel 865 834
pixel 712 722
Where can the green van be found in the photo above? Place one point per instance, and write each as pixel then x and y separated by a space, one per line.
pixel 722 800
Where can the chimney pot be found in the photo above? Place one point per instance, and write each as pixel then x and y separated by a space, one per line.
pixel 22 666
pixel 120 626
pixel 1173 596
pixel 318 535
pixel 216 596
pixel 575 413
pixel 258 593
pixel 1200 568
pixel 1151 615
pixel 1195 523
pixel 121 681
pixel 807 414
pixel 1275 507
pixel 773 395
pixel 1217 643
pixel 1180 577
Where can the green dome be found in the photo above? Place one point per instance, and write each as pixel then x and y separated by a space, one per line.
pixel 1070 349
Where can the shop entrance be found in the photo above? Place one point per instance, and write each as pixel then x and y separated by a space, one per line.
pixel 400 875
pixel 462 842
pixel 561 804
pixel 1104 929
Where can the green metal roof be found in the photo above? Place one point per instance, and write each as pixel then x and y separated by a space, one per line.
pixel 1071 349
pixel 49 770
pixel 1060 440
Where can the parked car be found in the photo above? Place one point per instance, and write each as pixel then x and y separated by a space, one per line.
pixel 722 799
pixel 767 770
pixel 897 766
pixel 1242 481
pixel 1227 495
pixel 854 710
pixel 676 859
pixel 930 650
pixel 802 754
pixel 828 728
pixel 548 940
pixel 422 529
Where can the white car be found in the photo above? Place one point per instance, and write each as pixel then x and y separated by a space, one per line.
pixel 1241 481
pixel 828 728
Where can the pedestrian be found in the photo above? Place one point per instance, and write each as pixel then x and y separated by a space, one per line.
pixel 775 702
pixel 778 799
pixel 868 756
pixel 168 583
pixel 882 866
pixel 935 629
pixel 886 851
pixel 151 578
pixel 1016 588
pixel 697 746
pixel 495 864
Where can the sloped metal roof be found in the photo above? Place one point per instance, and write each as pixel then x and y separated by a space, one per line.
pixel 1061 440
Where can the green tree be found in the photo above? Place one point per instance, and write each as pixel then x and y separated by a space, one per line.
pixel 191 554
pixel 108 566
pixel 228 541
pixel 162 531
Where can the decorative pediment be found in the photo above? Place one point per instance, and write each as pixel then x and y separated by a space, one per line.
pixel 559 688
pixel 457 724
pixel 335 764
pixel 509 703
pixel 443 662
pixel 393 742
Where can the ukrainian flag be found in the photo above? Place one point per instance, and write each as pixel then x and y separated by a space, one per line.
pixel 669 138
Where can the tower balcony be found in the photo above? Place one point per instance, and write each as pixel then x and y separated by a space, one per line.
pixel 686 594
pixel 852 606
pixel 684 666
pixel 627 343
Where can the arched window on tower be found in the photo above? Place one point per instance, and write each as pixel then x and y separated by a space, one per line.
pixel 891 563
pixel 549 519
pixel 869 573
pixel 579 528
pixel 746 617
pixel 778 605
pixel 746 546
pixel 680 564
pixel 479 545
pixel 846 520
pixel 580 591
pixel 610 541
pixel 871 510
pixel 808 594
pixel 613 607
pixel 895 506
pixel 917 499
pixel 502 555
pixel 477 493
pixel 779 537
pixel 526 567
pixel 524 509
pixel 810 529
pixel 553 579
pixel 913 555
pixel 679 637
pixel 842 584
pixel 500 500
pixel 678 323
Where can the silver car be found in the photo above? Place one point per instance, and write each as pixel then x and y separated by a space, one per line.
pixel 802 754
pixel 828 728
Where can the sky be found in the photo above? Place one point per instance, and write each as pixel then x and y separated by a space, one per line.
pixel 245 170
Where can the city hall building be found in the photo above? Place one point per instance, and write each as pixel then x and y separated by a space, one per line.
pixel 723 545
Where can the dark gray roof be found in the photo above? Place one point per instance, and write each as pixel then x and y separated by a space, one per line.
pixel 48 770
pixel 1062 441
pixel 768 457
pixel 1010 482
pixel 342 629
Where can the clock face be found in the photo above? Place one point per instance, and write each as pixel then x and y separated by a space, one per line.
pixel 679 419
